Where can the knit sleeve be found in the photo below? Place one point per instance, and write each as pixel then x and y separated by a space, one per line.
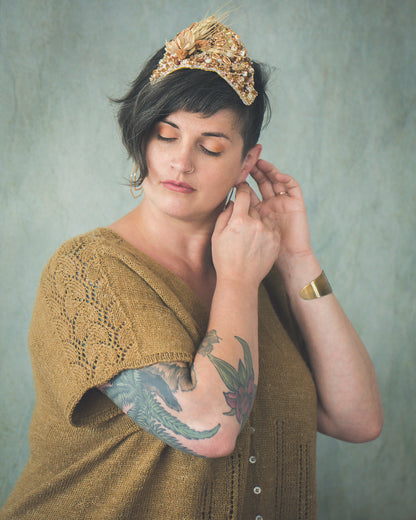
pixel 83 333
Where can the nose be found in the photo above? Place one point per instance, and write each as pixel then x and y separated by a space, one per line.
pixel 182 162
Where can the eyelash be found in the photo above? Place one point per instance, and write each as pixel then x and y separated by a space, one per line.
pixel 205 150
pixel 209 152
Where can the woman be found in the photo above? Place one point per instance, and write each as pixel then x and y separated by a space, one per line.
pixel 185 356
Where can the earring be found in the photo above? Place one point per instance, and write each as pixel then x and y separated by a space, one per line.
pixel 135 190
pixel 229 196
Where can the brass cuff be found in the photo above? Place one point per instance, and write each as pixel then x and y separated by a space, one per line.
pixel 317 288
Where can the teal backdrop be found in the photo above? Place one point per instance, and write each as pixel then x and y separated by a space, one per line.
pixel 343 92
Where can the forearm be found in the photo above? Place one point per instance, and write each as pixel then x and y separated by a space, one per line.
pixel 350 405
pixel 234 312
pixel 225 368
pixel 200 409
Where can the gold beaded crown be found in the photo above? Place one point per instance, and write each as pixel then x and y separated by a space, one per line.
pixel 210 45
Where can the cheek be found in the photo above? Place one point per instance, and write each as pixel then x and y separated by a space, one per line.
pixel 235 172
pixel 148 156
pixel 153 158
pixel 224 179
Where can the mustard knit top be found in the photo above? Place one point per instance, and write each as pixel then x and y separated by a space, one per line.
pixel 103 307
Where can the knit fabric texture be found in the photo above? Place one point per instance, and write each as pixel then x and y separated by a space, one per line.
pixel 103 307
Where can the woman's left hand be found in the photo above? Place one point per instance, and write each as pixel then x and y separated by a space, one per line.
pixel 283 202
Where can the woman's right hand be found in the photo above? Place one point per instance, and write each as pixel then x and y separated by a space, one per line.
pixel 244 245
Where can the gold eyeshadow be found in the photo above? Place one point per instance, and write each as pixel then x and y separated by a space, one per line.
pixel 165 131
pixel 215 148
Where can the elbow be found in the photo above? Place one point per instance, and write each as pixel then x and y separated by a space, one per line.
pixel 374 424
pixel 374 428
pixel 219 447
pixel 365 427
pixel 370 430
pixel 224 449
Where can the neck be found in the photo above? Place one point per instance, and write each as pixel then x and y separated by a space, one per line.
pixel 187 240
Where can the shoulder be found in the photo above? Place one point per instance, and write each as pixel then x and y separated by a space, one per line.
pixel 91 253
pixel 76 259
pixel 85 247
pixel 100 263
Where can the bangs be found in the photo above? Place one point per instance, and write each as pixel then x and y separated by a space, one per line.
pixel 197 91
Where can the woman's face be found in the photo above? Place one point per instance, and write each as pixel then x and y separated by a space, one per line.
pixel 193 162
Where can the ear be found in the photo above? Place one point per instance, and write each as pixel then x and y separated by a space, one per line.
pixel 250 160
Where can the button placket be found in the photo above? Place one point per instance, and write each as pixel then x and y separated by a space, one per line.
pixel 252 460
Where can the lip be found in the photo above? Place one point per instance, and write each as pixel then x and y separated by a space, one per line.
pixel 180 187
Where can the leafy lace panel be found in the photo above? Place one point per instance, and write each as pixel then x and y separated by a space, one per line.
pixel 92 328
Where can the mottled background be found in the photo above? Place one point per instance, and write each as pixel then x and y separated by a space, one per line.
pixel 343 91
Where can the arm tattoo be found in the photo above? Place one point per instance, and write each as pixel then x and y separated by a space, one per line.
pixel 240 383
pixel 207 345
pixel 177 376
pixel 146 395
pixel 137 391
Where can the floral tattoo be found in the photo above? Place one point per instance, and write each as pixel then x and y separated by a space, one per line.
pixel 147 395
pixel 240 382
pixel 208 342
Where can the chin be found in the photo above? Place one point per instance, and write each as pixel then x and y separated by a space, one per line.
pixel 182 206
pixel 190 212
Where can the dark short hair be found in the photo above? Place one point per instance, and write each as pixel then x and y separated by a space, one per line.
pixel 192 90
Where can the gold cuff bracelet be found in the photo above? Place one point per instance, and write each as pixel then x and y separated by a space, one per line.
pixel 317 288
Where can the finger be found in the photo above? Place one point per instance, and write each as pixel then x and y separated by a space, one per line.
pixel 242 200
pixel 263 182
pixel 274 175
pixel 268 169
pixel 253 212
pixel 229 196
pixel 254 200
pixel 224 217
pixel 280 182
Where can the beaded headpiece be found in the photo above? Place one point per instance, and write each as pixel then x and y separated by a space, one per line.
pixel 210 45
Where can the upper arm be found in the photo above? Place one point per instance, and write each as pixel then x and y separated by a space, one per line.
pixel 154 398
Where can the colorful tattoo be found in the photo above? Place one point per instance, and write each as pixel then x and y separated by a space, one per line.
pixel 146 395
pixel 240 398
pixel 136 392
pixel 208 343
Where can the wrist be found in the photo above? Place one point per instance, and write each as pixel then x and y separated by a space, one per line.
pixel 316 288
pixel 240 285
pixel 234 310
pixel 299 271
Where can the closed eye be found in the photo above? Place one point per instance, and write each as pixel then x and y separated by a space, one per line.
pixel 205 150
pixel 163 138
pixel 210 152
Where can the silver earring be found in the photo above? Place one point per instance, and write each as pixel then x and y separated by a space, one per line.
pixel 229 196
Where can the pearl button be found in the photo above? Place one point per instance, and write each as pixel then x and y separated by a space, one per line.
pixel 257 490
pixel 259 517
pixel 252 459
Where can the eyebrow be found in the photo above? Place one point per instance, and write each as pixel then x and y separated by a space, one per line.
pixel 205 134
